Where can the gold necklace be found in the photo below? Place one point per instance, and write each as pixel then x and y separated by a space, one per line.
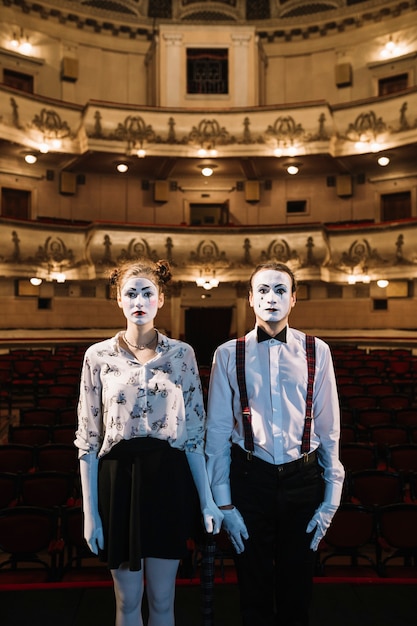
pixel 141 346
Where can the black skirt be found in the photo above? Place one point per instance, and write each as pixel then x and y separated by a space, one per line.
pixel 147 501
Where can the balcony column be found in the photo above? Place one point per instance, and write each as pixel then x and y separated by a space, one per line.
pixel 242 68
pixel 172 70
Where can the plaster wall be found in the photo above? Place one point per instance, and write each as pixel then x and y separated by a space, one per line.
pixel 115 198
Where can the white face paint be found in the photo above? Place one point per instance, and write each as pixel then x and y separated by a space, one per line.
pixel 271 297
pixel 140 300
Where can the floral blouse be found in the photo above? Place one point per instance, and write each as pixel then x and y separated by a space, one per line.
pixel 120 398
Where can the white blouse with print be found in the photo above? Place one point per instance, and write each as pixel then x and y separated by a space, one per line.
pixel 121 398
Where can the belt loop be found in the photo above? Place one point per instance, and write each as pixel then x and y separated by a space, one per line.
pixel 249 455
pixel 305 457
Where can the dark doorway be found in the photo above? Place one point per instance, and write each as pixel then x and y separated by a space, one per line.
pixel 204 214
pixel 15 203
pixel 205 329
pixel 395 206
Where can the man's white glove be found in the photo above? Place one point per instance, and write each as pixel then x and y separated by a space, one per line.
pixel 236 529
pixel 212 516
pixel 320 521
pixel 93 528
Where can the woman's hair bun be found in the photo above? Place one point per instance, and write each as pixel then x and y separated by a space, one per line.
pixel 114 277
pixel 163 271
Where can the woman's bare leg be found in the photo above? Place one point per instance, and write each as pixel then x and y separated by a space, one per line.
pixel 128 590
pixel 160 588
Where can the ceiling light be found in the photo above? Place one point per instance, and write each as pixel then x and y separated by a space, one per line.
pixel 292 151
pixel 35 281
pixel 56 143
pixel 141 153
pixel 59 277
pixel 31 158
pixel 292 169
pixel 207 169
pixel 122 167
pixel 383 161
pixel 202 153
pixel 278 152
pixel 382 283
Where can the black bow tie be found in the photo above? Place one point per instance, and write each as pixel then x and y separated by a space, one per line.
pixel 281 336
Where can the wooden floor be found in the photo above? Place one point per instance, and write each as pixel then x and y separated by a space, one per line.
pixel 333 605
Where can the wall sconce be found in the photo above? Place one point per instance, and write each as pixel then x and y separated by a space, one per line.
pixel 59 277
pixel 352 279
pixel 35 281
pixel 211 152
pixel 382 283
pixel 208 281
pixel 21 43
pixel 391 49
pixel 43 148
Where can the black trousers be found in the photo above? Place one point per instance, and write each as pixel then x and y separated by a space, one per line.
pixel 275 571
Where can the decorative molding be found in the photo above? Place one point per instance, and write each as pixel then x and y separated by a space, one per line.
pixel 315 253
pixel 281 28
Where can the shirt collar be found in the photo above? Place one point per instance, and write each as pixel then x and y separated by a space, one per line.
pixel 263 336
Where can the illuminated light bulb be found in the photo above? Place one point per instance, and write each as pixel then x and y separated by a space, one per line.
pixel 292 151
pixel 202 152
pixel 141 153
pixel 44 148
pixel 56 144
pixel 35 281
pixel 122 167
pixel 292 169
pixel 375 146
pixel 390 46
pixel 382 283
pixel 31 158
pixel 26 47
pixel 383 161
pixel 213 153
pixel 207 171
pixel 60 277
pixel 351 279
pixel 14 42
pixel 278 152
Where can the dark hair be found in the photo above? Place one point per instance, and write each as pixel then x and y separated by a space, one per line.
pixel 159 272
pixel 278 267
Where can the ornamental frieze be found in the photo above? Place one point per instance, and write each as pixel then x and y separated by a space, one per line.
pixel 207 252
pixel 137 248
pixel 313 252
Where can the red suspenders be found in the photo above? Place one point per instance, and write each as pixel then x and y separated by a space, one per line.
pixel 246 412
